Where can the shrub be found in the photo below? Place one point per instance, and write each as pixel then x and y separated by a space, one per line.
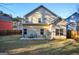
pixel 74 34
pixel 10 32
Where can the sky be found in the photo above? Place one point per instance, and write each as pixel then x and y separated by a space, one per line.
pixel 63 10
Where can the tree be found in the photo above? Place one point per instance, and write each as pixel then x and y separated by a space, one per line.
pixel 17 19
pixel 4 14
pixel 1 12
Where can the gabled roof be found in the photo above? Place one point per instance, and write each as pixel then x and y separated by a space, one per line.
pixel 75 17
pixel 76 13
pixel 5 17
pixel 63 22
pixel 39 8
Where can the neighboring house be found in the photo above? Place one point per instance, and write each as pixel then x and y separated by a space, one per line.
pixel 5 22
pixel 17 23
pixel 73 23
pixel 41 23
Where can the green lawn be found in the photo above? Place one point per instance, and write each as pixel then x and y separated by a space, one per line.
pixel 13 45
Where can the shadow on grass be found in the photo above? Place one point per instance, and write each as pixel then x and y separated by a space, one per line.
pixel 50 51
pixel 13 42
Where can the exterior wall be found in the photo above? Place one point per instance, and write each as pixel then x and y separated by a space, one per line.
pixel 44 15
pixel 5 25
pixel 36 30
pixel 59 36
pixel 49 32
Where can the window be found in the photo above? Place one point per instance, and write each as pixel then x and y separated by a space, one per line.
pixel 25 31
pixel 39 20
pixel 42 31
pixel 26 21
pixel 61 31
pixel 44 18
pixel 57 31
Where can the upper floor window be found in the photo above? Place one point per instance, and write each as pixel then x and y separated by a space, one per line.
pixel 72 17
pixel 44 18
pixel 39 20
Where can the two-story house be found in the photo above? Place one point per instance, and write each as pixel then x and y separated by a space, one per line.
pixel 41 23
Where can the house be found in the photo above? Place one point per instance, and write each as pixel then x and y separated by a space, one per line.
pixel 73 24
pixel 5 21
pixel 17 23
pixel 41 23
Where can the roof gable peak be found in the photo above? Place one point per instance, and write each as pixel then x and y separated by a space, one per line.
pixel 41 6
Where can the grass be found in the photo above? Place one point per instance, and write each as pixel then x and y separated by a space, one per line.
pixel 13 45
